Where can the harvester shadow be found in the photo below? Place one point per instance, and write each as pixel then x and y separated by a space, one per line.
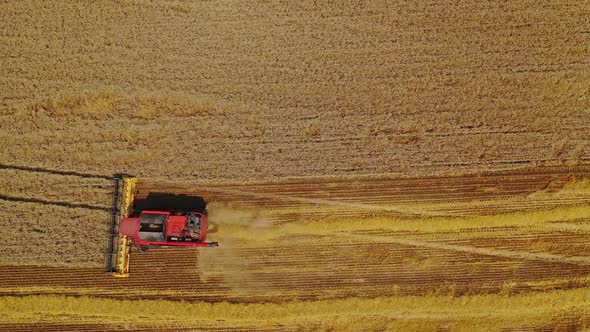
pixel 169 202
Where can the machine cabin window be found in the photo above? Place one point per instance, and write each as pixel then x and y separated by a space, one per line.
pixel 154 228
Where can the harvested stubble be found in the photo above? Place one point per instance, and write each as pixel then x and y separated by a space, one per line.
pixel 267 263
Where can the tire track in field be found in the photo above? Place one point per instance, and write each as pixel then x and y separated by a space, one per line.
pixel 513 254
pixel 336 203
pixel 55 203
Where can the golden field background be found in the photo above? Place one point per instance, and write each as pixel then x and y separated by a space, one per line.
pixel 246 90
pixel 313 128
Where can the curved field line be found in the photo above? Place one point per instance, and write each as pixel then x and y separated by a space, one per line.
pixel 55 203
pixel 319 201
pixel 56 172
pixel 516 254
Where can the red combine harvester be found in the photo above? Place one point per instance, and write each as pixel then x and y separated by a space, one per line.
pixel 165 228
pixel 158 220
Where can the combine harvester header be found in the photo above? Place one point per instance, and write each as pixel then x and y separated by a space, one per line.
pixel 149 228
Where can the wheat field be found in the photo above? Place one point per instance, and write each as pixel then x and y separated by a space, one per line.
pixel 369 165
pixel 244 90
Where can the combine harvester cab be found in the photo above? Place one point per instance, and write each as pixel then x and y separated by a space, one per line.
pixel 151 229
